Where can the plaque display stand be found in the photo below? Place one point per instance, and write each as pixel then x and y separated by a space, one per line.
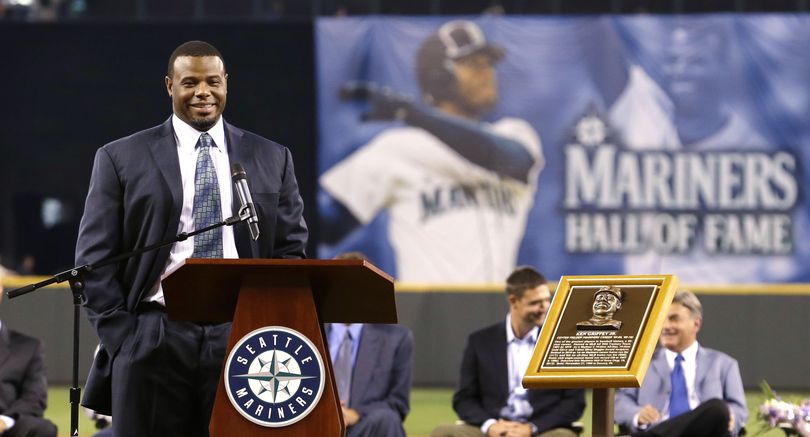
pixel 602 413
pixel 297 294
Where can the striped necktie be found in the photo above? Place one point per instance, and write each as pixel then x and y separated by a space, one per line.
pixel 207 208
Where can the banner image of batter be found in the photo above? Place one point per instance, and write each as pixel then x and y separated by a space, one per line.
pixel 669 145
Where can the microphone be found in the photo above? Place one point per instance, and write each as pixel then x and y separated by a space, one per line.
pixel 240 180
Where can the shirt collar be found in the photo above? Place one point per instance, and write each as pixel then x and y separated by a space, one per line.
pixel 510 334
pixel 187 136
pixel 689 355
pixel 340 330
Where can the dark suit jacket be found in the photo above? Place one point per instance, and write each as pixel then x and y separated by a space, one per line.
pixel 484 386
pixel 23 387
pixel 135 199
pixel 382 370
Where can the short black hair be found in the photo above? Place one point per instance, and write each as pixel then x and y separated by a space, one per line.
pixel 195 49
pixel 522 279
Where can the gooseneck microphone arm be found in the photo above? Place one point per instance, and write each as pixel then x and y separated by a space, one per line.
pixel 68 275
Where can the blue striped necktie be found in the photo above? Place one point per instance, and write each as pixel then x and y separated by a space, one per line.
pixel 207 208
pixel 679 397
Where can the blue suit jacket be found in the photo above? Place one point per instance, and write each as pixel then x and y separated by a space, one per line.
pixel 717 375
pixel 484 386
pixel 382 370
pixel 135 199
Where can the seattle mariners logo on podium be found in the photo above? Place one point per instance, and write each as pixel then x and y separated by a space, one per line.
pixel 274 376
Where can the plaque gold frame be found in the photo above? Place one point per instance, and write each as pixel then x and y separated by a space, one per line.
pixel 630 375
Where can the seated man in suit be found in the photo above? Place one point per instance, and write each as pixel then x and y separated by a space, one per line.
pixel 372 366
pixel 23 387
pixel 490 398
pixel 682 392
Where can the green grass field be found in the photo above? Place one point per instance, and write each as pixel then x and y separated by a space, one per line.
pixel 429 407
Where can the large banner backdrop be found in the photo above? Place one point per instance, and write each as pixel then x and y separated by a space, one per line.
pixel 596 145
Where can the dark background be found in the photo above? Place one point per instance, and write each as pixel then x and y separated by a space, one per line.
pixel 71 88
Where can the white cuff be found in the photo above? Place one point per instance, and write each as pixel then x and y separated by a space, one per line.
pixel 486 425
pixel 9 421
pixel 636 425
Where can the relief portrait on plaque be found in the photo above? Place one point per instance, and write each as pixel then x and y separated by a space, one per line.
pixel 606 301
pixel 600 331
pixel 599 325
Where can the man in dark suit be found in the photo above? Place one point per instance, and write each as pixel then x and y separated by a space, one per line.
pixel 490 398
pixel 23 387
pixel 372 366
pixel 689 390
pixel 154 375
pixel 378 393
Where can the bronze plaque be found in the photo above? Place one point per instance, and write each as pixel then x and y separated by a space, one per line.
pixel 600 331
pixel 579 341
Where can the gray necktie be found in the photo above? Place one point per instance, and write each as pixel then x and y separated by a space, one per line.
pixel 343 368
pixel 207 207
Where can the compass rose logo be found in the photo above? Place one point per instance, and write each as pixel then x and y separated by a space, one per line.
pixel 274 376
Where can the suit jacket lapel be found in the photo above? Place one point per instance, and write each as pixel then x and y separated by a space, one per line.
pixel 661 368
pixel 367 357
pixel 164 153
pixel 239 153
pixel 701 365
pixel 5 344
pixel 500 364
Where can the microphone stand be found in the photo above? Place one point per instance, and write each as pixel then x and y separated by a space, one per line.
pixel 75 277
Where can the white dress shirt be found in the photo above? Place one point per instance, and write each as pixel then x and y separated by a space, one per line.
pixel 186 138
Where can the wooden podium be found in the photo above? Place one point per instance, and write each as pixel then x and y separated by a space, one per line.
pixel 296 294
